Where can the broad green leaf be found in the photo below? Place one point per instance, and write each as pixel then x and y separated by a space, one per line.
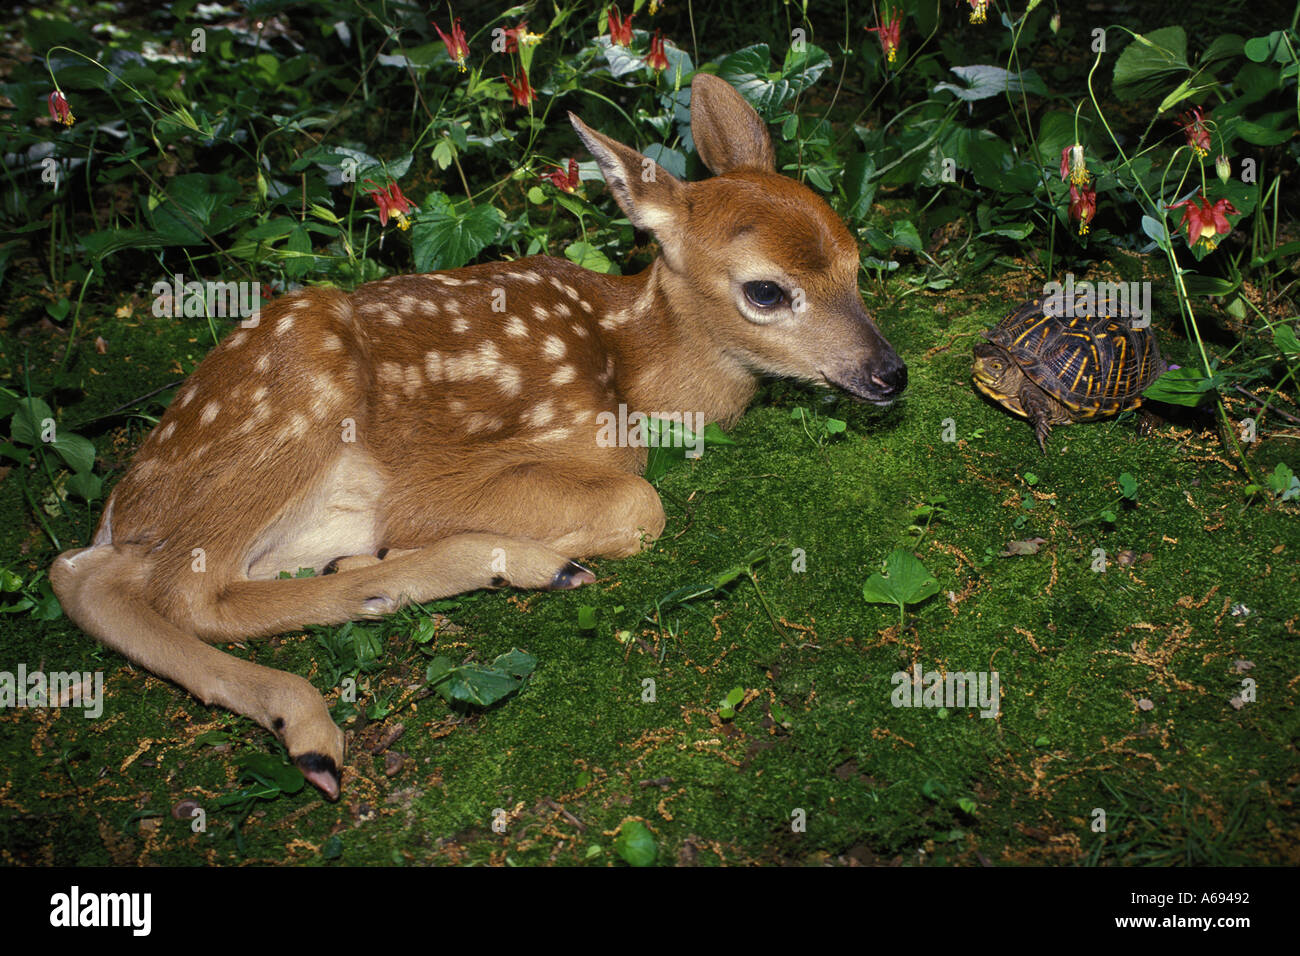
pixel 516 662
pixel 635 844
pixel 588 256
pixel 1281 478
pixel 1262 49
pixel 1207 285
pixel 906 236
pixel 445 237
pixel 1284 338
pixel 906 581
pixel 1148 65
pixel 1180 386
pixel 77 452
pixel 981 81
pixel 805 67
pixel 28 421
pixel 749 71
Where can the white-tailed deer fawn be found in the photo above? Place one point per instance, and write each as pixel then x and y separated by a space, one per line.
pixel 420 443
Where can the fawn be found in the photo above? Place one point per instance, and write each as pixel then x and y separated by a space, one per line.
pixel 418 444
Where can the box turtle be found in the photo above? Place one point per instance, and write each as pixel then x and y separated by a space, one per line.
pixel 1054 370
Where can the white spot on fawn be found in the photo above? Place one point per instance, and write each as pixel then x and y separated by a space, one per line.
pixel 540 414
pixel 209 412
pixel 563 375
pixel 516 327
pixel 433 366
pixel 510 380
pixel 459 325
pixel 554 347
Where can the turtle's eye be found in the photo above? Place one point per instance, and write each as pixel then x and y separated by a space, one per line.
pixel 764 295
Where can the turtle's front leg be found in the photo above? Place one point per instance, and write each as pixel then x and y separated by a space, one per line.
pixel 1038 409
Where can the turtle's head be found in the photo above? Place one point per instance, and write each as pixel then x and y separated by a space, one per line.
pixel 996 375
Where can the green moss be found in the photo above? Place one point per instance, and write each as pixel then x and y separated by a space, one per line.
pixel 1079 655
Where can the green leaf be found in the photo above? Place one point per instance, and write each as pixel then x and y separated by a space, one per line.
pixel 195 205
pixel 515 662
pixel 906 236
pixel 1207 285
pixel 635 844
pixel 1148 65
pixel 77 452
pixel 1262 49
pixel 86 486
pixel 28 421
pixel 803 68
pixel 1156 230
pixel 982 81
pixel 1281 478
pixel 905 581
pixel 1180 386
pixel 859 189
pixel 748 70
pixel 620 59
pixel 272 772
pixel 1284 338
pixel 588 256
pixel 1128 486
pixel 447 238
pixel 586 618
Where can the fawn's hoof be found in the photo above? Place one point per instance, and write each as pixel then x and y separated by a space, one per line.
pixel 321 772
pixel 572 575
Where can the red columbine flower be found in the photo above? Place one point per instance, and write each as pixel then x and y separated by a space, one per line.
pixel 457 47
pixel 558 178
pixel 978 10
pixel 620 30
pixel 1073 165
pixel 1198 137
pixel 1204 222
pixel 889 34
pixel 1083 206
pixel 60 111
pixel 520 89
pixel 391 202
pixel 657 57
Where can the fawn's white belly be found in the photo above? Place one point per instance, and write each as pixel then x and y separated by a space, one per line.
pixel 336 517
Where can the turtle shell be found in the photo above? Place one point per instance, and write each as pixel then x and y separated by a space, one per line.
pixel 1094 365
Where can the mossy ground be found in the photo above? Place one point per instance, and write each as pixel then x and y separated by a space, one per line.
pixel 1116 686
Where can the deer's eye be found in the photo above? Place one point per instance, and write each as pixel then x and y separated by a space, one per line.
pixel 764 295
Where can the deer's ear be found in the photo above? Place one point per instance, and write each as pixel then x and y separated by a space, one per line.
pixel 728 133
pixel 651 196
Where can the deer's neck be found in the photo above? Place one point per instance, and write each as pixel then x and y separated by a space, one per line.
pixel 666 359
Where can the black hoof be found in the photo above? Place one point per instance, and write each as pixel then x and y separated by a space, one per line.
pixel 321 772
